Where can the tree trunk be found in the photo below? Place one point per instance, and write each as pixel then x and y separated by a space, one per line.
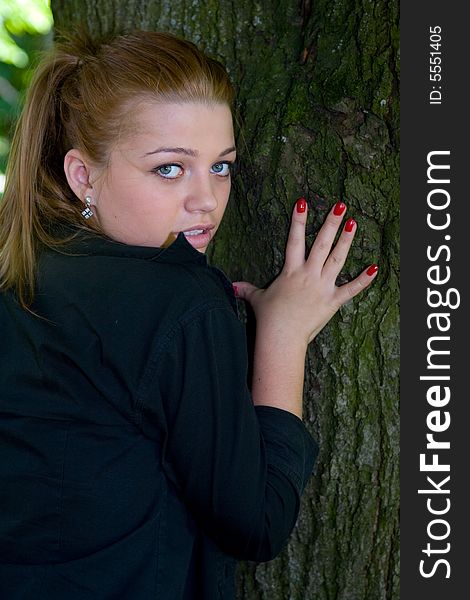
pixel 317 116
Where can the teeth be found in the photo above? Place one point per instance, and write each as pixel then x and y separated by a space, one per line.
pixel 193 232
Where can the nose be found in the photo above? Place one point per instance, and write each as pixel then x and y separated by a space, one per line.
pixel 201 196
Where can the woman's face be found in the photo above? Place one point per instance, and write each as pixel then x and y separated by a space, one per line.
pixel 172 175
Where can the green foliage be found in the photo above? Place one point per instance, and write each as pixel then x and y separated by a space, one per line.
pixel 25 28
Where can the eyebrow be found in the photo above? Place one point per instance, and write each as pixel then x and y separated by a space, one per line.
pixel 188 151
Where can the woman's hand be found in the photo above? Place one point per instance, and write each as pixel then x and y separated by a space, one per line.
pixel 304 297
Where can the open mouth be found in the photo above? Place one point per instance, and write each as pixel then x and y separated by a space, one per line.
pixel 200 236
pixel 194 232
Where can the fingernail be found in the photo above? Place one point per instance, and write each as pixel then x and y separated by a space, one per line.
pixel 372 269
pixel 349 225
pixel 235 290
pixel 339 208
pixel 301 205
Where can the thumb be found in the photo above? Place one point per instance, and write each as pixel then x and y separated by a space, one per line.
pixel 244 290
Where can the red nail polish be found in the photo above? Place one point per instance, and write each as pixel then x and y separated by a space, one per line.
pixel 301 205
pixel 349 225
pixel 235 290
pixel 372 269
pixel 339 208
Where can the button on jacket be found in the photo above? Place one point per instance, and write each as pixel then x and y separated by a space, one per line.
pixel 133 464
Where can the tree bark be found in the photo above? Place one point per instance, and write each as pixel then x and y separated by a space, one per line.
pixel 317 116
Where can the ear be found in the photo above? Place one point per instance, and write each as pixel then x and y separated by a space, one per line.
pixel 78 171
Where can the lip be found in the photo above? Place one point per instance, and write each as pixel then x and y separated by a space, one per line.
pixel 201 240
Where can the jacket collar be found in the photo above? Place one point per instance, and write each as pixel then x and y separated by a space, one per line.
pixel 180 251
pixel 84 242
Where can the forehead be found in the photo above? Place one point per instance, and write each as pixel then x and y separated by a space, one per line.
pixel 180 123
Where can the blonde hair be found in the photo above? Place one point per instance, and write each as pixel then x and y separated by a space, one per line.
pixel 78 98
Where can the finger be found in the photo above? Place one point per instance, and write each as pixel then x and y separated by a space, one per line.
pixel 345 292
pixel 244 290
pixel 325 237
pixel 338 255
pixel 295 249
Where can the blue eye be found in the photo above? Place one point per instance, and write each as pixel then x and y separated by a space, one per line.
pixel 222 168
pixel 172 171
pixel 167 172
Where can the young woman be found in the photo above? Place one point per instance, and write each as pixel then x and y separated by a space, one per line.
pixel 135 463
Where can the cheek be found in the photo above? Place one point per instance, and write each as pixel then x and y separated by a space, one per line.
pixel 140 201
pixel 157 210
pixel 224 199
pixel 116 198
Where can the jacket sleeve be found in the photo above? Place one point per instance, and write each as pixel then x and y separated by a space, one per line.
pixel 240 469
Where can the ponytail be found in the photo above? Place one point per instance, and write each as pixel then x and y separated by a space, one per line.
pixel 37 195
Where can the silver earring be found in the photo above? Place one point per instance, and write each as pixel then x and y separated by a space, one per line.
pixel 87 212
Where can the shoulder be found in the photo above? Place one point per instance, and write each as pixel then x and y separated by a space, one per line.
pixel 143 287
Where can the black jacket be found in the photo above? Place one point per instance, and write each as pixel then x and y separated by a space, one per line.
pixel 133 464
